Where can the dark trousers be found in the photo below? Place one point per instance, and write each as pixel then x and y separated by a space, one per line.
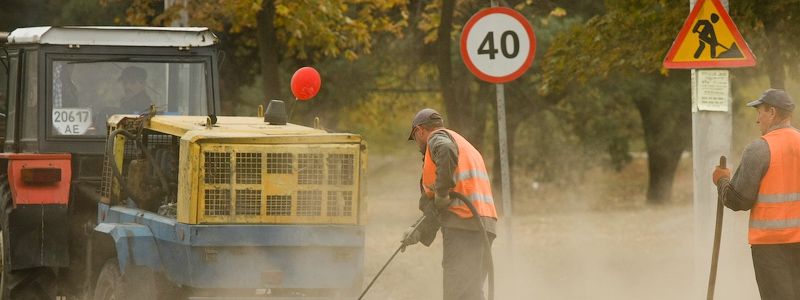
pixel 777 270
pixel 464 264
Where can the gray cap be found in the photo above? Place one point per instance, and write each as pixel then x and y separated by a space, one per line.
pixel 775 97
pixel 423 117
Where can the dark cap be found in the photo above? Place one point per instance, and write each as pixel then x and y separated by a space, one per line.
pixel 423 117
pixel 133 74
pixel 775 97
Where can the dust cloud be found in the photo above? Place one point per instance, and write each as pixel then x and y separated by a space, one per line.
pixel 574 251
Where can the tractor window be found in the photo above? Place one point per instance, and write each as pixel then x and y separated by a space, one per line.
pixel 11 100
pixel 30 98
pixel 83 94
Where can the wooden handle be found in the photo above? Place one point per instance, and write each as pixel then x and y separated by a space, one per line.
pixel 722 161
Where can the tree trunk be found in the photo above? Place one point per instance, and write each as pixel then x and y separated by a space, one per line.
pixel 774 61
pixel 464 113
pixel 666 136
pixel 443 64
pixel 268 51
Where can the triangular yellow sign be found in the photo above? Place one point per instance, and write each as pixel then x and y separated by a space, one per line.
pixel 709 39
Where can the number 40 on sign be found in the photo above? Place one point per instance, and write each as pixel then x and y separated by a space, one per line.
pixel 497 44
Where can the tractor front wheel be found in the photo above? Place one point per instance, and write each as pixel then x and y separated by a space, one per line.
pixel 136 283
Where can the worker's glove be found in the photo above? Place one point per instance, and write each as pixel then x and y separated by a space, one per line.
pixel 410 237
pixel 720 173
pixel 442 202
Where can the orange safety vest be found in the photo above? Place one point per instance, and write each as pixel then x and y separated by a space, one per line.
pixel 471 179
pixel 775 218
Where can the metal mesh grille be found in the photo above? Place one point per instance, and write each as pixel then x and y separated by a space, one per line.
pixel 248 168
pixel 340 204
pixel 105 185
pixel 153 141
pixel 279 163
pixel 309 203
pixel 156 140
pixel 280 183
pixel 340 169
pixel 217 202
pixel 131 150
pixel 278 205
pixel 347 207
pixel 217 167
pixel 248 202
pixel 310 166
pixel 333 204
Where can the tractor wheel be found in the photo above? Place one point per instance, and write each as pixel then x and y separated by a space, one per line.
pixel 136 283
pixel 33 283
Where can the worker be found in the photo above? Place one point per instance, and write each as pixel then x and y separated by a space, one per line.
pixel 451 163
pixel 767 182
pixel 134 86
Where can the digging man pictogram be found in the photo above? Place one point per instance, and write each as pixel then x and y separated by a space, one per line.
pixel 707 36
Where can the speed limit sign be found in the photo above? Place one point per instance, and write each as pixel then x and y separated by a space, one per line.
pixel 498 44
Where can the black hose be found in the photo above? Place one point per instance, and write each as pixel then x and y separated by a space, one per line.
pixel 112 160
pixel 486 244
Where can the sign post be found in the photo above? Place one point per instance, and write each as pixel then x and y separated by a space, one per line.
pixel 497 45
pixel 708 42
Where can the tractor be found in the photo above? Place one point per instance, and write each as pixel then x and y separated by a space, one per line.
pixel 119 180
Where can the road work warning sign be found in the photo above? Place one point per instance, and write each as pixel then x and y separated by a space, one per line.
pixel 709 39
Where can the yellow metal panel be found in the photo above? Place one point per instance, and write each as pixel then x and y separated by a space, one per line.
pixel 194 176
pixel 119 156
pixel 185 186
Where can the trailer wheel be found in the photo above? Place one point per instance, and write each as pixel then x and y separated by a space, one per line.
pixel 136 283
pixel 33 283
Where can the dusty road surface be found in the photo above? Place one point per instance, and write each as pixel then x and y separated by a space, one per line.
pixel 634 252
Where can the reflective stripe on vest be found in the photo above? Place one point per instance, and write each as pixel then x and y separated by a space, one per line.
pixel 775 217
pixel 470 176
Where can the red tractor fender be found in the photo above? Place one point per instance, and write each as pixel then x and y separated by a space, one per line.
pixel 39 178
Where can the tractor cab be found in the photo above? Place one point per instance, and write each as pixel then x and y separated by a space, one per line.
pixel 64 82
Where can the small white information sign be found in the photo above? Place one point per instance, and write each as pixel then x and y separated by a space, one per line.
pixel 713 90
pixel 72 121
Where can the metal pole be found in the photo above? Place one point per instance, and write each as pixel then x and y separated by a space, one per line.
pixel 711 138
pixel 504 169
pixel 505 178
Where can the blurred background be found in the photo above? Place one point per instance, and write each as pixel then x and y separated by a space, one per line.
pixel 599 131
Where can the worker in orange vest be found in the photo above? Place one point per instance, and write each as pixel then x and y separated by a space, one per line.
pixel 452 164
pixel 767 183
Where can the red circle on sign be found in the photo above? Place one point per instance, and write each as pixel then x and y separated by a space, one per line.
pixel 468 61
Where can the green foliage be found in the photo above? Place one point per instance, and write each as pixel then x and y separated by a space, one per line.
pixel 307 29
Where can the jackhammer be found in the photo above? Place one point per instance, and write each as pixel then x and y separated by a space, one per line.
pixel 486 244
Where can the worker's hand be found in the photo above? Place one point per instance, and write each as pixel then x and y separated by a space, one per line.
pixel 410 237
pixel 442 202
pixel 720 173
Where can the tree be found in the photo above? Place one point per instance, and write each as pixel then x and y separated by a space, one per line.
pixel 618 55
pixel 771 30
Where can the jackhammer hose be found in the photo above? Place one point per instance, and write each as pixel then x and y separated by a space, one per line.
pixel 486 244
